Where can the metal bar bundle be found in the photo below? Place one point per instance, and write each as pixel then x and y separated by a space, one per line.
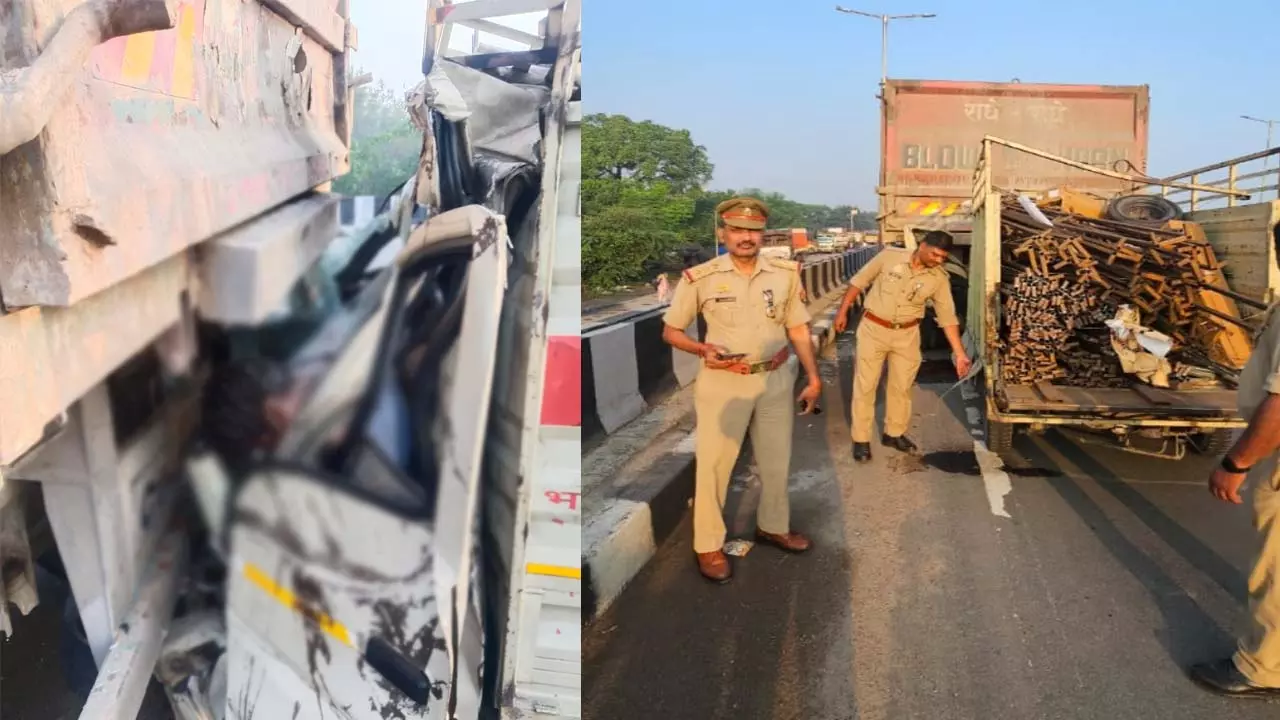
pixel 1062 279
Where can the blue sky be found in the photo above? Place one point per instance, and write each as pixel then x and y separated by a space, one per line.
pixel 782 93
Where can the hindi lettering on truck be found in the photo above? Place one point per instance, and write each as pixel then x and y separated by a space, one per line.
pixel 931 133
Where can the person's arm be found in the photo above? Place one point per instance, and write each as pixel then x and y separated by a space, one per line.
pixel 798 332
pixel 858 285
pixel 802 340
pixel 680 315
pixel 1260 439
pixel 944 306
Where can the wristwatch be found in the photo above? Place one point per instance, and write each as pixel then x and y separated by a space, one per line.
pixel 1229 465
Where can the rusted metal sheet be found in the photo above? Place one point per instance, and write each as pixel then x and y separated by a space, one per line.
pixel 931 135
pixel 167 138
pixel 53 356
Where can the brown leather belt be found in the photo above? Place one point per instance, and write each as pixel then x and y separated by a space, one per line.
pixel 891 325
pixel 769 365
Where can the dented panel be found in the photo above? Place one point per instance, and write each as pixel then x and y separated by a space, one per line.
pixel 167 138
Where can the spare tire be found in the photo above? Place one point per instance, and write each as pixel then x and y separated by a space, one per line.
pixel 1143 208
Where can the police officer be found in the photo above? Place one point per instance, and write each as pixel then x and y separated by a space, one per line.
pixel 1254 669
pixel 897 283
pixel 753 310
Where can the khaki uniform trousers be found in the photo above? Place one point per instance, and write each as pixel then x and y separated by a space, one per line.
pixel 726 405
pixel 1258 656
pixel 875 345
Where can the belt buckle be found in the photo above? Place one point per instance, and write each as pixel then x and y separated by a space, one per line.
pixel 760 366
pixel 896 326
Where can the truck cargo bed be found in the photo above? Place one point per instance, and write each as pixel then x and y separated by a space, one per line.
pixel 1142 400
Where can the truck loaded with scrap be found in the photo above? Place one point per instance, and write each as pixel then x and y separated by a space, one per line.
pixel 1120 315
pixel 931 134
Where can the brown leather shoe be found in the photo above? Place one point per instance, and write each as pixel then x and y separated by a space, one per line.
pixel 714 566
pixel 792 542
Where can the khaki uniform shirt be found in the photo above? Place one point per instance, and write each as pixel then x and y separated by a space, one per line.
pixel 744 314
pixel 1261 375
pixel 896 292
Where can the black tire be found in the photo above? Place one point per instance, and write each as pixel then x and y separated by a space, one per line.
pixel 1216 443
pixel 1143 208
pixel 999 438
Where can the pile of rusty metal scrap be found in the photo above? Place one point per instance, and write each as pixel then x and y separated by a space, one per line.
pixel 1064 277
pixel 1046 317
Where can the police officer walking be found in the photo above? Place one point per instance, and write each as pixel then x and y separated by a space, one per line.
pixel 897 283
pixel 1254 669
pixel 753 311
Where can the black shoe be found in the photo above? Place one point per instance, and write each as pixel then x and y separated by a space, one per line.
pixel 862 452
pixel 1224 678
pixel 900 443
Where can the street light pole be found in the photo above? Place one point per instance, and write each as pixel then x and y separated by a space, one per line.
pixel 1266 161
pixel 884 34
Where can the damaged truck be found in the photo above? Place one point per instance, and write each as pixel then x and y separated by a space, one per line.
pixel 285 477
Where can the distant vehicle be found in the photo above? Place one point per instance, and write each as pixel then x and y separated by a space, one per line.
pixel 826 243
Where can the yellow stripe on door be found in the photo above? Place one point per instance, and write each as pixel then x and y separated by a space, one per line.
pixel 184 74
pixel 931 208
pixel 285 597
pixel 554 570
pixel 139 49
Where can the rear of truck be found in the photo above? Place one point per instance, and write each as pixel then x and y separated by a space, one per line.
pixel 1147 420
pixel 931 135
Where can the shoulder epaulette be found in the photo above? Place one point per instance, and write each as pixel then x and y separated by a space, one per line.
pixel 697 272
pixel 785 264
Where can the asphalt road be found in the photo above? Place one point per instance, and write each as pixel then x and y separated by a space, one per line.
pixel 43 676
pixel 1111 573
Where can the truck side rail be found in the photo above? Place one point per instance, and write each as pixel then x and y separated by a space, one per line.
pixel 1226 180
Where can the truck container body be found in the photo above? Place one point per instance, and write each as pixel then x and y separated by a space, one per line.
pixel 931 135
pixel 128 137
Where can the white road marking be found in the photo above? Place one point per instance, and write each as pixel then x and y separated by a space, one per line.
pixel 994 477
pixel 686 445
pixel 974 415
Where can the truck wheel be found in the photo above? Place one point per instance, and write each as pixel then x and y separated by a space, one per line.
pixel 1000 438
pixel 1216 443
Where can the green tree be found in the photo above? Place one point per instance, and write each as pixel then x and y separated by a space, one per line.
pixel 384 145
pixel 643 199
pixel 617 148
pixel 641 189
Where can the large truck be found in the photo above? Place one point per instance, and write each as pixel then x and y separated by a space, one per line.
pixel 931 135
pixel 164 175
